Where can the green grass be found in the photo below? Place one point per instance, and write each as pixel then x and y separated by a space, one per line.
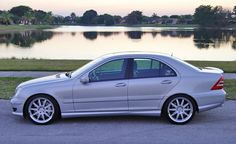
pixel 68 65
pixel 8 85
pixel 7 28
pixel 40 65
pixel 230 88
pixel 227 66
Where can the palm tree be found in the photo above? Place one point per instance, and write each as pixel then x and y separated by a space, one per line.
pixel 73 17
pixel 234 10
pixel 29 16
pixel 48 18
pixel 6 17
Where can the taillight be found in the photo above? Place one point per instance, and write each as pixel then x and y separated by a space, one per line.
pixel 219 84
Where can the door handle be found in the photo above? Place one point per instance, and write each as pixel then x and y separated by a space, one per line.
pixel 166 82
pixel 120 85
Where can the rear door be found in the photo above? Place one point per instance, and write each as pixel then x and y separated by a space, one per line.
pixel 150 80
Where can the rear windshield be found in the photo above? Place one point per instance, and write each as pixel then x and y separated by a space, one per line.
pixel 186 63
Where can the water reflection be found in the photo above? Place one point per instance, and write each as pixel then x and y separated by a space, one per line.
pixel 214 38
pixel 202 38
pixel 107 34
pixel 177 33
pixel 90 35
pixel 234 45
pixel 25 39
pixel 134 34
pixel 93 35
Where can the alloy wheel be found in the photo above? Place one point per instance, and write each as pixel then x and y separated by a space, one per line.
pixel 180 109
pixel 41 110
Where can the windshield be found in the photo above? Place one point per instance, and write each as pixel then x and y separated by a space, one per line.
pixel 86 66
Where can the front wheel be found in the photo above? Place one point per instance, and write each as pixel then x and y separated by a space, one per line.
pixel 41 109
pixel 179 109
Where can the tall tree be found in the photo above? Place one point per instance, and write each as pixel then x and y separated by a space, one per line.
pixel 89 17
pixel 206 15
pixel 164 16
pixel 135 17
pixel 39 16
pixel 175 16
pixel 154 16
pixel 203 15
pixel 48 19
pixel 20 10
pixel 117 19
pixel 234 10
pixel 73 18
pixel 6 17
pixel 100 19
pixel 220 16
pixel 29 16
pixel 108 20
pixel 58 19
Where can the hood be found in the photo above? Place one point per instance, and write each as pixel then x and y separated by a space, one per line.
pixel 212 70
pixel 45 80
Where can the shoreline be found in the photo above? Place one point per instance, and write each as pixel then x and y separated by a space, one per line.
pixel 19 28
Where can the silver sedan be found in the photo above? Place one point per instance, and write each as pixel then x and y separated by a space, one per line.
pixel 135 83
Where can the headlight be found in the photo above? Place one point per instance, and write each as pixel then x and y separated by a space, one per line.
pixel 17 91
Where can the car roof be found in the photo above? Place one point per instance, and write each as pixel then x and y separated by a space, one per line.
pixel 135 53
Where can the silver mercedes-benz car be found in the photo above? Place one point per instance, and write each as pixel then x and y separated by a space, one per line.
pixel 132 83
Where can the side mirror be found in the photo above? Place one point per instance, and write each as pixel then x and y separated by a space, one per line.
pixel 84 80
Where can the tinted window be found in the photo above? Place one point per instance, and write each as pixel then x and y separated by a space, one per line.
pixel 144 68
pixel 112 70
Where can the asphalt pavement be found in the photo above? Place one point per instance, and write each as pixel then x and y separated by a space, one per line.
pixel 217 126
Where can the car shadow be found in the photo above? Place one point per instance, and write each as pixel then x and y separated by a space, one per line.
pixel 114 119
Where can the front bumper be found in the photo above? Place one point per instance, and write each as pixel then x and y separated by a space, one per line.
pixel 17 106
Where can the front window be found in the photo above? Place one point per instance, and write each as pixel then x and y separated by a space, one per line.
pixel 113 70
pixel 145 68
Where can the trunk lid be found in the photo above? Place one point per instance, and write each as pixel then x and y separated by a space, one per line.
pixel 212 70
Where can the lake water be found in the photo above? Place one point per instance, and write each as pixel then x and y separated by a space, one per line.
pixel 80 42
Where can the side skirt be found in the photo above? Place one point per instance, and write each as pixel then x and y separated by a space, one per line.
pixel 112 113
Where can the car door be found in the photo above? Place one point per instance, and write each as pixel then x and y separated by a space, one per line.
pixel 150 80
pixel 106 89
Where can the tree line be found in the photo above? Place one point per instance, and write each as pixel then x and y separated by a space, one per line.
pixel 205 15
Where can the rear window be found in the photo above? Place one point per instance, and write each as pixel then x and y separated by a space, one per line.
pixel 147 68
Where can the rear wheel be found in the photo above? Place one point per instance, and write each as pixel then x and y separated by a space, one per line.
pixel 42 109
pixel 179 109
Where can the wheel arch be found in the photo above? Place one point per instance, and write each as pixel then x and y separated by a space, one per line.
pixel 40 94
pixel 180 94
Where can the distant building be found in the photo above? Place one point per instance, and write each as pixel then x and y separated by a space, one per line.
pixel 170 21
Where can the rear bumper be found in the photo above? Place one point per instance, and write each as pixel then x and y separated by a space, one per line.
pixel 210 106
pixel 210 100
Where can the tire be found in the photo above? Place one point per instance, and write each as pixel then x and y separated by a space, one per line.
pixel 42 109
pixel 179 109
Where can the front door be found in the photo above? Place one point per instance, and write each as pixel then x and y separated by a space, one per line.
pixel 106 90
